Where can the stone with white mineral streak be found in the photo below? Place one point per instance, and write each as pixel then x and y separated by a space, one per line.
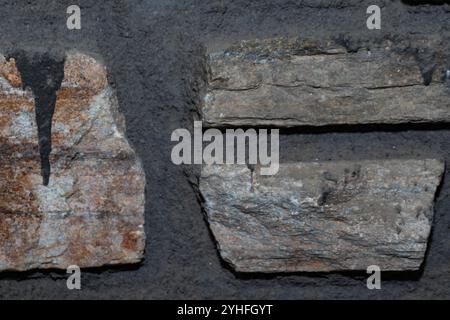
pixel 322 216
pixel 92 212
pixel 287 83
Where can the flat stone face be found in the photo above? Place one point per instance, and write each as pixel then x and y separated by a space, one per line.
pixel 322 216
pixel 289 83
pixel 92 211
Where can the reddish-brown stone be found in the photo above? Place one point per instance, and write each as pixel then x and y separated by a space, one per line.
pixel 92 211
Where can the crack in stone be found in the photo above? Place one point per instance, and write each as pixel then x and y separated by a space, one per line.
pixel 43 74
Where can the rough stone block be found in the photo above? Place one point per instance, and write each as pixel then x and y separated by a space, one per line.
pixel 91 213
pixel 322 216
pixel 286 83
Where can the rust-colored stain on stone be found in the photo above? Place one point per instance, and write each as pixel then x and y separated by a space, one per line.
pixel 9 72
pixel 131 241
pixel 92 212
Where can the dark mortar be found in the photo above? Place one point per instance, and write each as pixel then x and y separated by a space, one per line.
pixel 43 74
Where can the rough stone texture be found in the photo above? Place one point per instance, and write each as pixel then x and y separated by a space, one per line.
pixel 91 213
pixel 285 82
pixel 154 62
pixel 322 216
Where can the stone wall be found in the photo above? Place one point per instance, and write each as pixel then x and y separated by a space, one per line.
pixel 155 54
pixel 324 216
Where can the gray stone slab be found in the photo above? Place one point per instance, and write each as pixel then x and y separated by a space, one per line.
pixel 322 216
pixel 288 83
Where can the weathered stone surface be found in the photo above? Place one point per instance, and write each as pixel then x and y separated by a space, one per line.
pixel 92 211
pixel 289 83
pixel 322 216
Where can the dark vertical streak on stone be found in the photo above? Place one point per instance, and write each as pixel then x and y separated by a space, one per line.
pixel 43 74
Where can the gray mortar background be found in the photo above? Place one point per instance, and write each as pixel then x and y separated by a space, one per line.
pixel 155 51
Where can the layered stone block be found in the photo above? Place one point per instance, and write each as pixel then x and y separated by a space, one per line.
pixel 291 82
pixel 322 216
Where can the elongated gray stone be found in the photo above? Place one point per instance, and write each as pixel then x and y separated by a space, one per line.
pixel 322 216
pixel 289 83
